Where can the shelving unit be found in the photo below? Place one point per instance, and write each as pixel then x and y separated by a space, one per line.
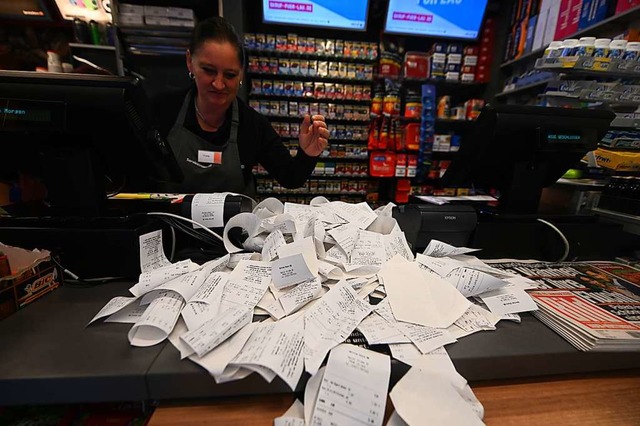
pixel 335 86
pixel 610 24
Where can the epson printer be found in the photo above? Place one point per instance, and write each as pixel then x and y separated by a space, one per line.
pixel 449 223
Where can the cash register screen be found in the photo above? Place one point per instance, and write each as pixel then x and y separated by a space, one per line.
pixel 28 115
pixel 83 136
pixel 521 149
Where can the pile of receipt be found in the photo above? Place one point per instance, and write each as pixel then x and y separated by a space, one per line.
pixel 296 290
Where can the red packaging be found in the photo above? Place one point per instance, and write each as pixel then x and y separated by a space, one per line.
pixel 401 165
pixel 412 165
pixel 416 65
pixel 412 136
pixel 403 185
pixel 382 164
pixel 568 18
pixel 470 50
pixel 623 5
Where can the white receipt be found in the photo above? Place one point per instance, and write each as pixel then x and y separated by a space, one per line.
pixel 300 212
pixel 424 398
pixel 368 250
pixel 311 394
pixel 208 209
pixel 248 222
pixel 300 295
pixel 268 207
pixel 330 321
pixel 508 301
pixel 359 214
pixel 151 251
pixel 283 223
pixel 130 314
pixel 421 297
pixel 378 331
pixel 290 270
pixel 271 245
pixel 396 244
pixel 354 388
pixel 474 319
pixel 247 284
pixel 294 416
pixel 345 236
pixel 278 347
pixel 186 285
pixel 216 361
pixel 158 320
pixel 426 339
pixel 471 282
pixel 440 265
pixel 152 279
pixel 113 306
pixel 405 352
pixel 216 330
pixel 211 289
pixel 304 246
pixel 440 249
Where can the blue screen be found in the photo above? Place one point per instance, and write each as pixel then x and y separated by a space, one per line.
pixel 349 14
pixel 436 18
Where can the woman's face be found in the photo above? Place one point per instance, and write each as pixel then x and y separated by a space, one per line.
pixel 217 72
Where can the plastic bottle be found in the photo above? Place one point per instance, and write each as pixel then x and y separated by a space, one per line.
pixel 586 46
pixel 617 48
pixel 553 50
pixel 569 47
pixel 632 51
pixel 602 47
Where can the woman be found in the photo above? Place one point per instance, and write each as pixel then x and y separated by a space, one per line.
pixel 216 138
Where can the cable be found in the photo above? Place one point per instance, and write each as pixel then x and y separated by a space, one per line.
pixel 76 281
pixel 173 243
pixel 175 216
pixel 564 239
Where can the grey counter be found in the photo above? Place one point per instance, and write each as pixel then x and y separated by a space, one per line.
pixel 47 355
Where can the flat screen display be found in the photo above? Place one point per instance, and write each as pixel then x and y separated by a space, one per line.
pixel 436 18
pixel 24 9
pixel 25 115
pixel 349 14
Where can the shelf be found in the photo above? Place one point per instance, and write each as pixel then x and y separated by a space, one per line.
pixel 91 46
pixel 328 120
pixel 319 79
pixel 629 222
pixel 438 82
pixel 586 66
pixel 344 159
pixel 309 98
pixel 314 193
pixel 524 88
pixel 602 26
pixel 298 55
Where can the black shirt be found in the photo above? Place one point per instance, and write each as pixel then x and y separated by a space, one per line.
pixel 257 141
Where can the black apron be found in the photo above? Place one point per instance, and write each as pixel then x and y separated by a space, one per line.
pixel 207 176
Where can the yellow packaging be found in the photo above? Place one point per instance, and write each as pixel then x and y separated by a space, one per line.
pixel 621 161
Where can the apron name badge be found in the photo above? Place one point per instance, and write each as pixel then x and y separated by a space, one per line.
pixel 210 157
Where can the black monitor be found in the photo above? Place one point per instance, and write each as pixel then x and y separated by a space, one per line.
pixel 82 135
pixel 519 150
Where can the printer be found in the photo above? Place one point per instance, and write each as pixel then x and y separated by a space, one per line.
pixel 450 223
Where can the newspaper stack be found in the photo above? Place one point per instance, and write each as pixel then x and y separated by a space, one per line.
pixel 595 306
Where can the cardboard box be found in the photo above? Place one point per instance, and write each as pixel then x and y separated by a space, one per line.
pixel 33 274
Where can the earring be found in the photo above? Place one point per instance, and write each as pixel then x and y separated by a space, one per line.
pixel 240 83
pixel 191 76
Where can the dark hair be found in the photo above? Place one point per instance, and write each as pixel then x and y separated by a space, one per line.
pixel 217 29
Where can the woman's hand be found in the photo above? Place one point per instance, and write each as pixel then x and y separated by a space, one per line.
pixel 314 135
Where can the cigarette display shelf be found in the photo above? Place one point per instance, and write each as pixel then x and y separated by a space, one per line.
pixel 358 194
pixel 315 78
pixel 296 118
pixel 345 159
pixel 309 98
pixel 591 67
pixel 312 56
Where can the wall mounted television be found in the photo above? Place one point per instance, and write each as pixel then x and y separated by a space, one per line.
pixel 459 19
pixel 340 14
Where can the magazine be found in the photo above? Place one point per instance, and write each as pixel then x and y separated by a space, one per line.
pixel 593 305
